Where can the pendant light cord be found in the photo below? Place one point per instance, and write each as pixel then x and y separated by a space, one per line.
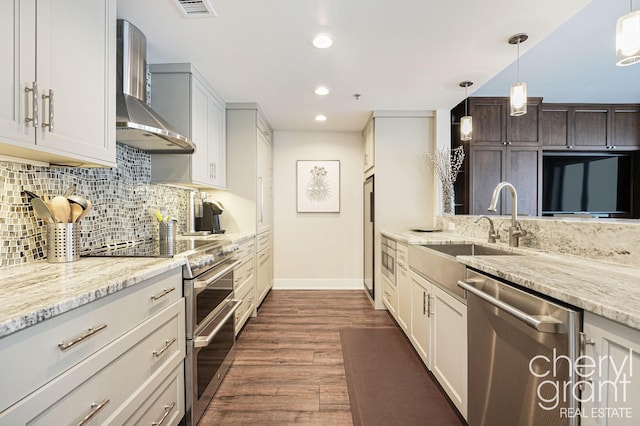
pixel 518 61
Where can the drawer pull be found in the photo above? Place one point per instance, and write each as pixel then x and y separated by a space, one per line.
pixel 167 410
pixel 95 409
pixel 162 293
pixel 167 345
pixel 90 332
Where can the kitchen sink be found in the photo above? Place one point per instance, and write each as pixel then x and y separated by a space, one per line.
pixel 469 250
pixel 438 264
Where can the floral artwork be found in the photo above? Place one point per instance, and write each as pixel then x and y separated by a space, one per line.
pixel 318 186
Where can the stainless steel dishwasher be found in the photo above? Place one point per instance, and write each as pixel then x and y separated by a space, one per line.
pixel 522 354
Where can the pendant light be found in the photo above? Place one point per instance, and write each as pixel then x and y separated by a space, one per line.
pixel 628 38
pixel 466 122
pixel 518 89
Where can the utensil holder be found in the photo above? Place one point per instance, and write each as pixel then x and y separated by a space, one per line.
pixel 63 242
pixel 167 238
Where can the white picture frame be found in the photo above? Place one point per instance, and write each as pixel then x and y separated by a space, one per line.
pixel 318 186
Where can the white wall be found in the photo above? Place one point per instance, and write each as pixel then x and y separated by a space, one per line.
pixel 318 250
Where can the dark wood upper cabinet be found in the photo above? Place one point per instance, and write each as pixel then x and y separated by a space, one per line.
pixel 590 127
pixel 493 124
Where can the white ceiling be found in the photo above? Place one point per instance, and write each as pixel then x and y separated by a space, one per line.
pixel 408 54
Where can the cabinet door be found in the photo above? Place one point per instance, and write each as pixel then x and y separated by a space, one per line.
pixel 449 363
pixel 264 190
pixel 489 120
pixel 200 164
pixel 525 129
pixel 420 322
pixel 369 146
pixel 554 120
pixel 217 144
pixel 524 172
pixel 590 126
pixel 80 116
pixel 263 276
pixel 613 397
pixel 18 49
pixel 487 169
pixel 404 297
pixel 625 126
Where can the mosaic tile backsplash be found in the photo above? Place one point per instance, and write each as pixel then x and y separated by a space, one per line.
pixel 123 202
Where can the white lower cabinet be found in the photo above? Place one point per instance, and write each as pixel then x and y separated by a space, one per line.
pixel 420 326
pixel 390 296
pixel 244 284
pixel 403 287
pixel 449 337
pixel 264 277
pixel 612 397
pixel 113 379
pixel 438 332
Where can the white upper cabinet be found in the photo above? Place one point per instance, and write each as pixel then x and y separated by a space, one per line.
pixel 182 96
pixel 57 88
pixel 369 145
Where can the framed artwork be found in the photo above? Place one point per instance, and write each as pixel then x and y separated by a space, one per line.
pixel 318 186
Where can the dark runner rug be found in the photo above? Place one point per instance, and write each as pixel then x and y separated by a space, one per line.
pixel 388 383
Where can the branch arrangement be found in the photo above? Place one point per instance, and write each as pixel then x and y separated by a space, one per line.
pixel 447 163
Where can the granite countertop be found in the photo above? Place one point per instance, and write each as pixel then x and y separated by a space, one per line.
pixel 607 289
pixel 36 291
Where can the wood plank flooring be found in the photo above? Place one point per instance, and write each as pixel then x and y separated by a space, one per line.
pixel 288 367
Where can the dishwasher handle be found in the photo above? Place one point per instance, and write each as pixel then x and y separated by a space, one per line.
pixel 542 323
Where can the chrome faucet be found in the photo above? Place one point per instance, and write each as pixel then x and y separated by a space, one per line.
pixel 493 235
pixel 515 231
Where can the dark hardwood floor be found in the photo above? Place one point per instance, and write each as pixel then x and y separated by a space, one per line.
pixel 288 367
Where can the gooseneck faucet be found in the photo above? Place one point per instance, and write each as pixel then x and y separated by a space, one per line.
pixel 515 231
pixel 493 235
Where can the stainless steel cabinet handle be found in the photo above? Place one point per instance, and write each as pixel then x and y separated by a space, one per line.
pixel 424 302
pixel 167 345
pixel 544 324
pixel 95 409
pixel 203 283
pixel 215 171
pixel 34 104
pixel 90 332
pixel 48 97
pixel 162 293
pixel 167 410
pixel 429 313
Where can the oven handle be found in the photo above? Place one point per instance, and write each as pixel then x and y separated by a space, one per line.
pixel 203 341
pixel 206 282
pixel 542 323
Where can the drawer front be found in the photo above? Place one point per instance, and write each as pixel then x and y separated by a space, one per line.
pixel 402 253
pixel 247 249
pixel 52 347
pixel 264 241
pixel 165 405
pixel 244 272
pixel 247 294
pixel 389 296
pixel 105 382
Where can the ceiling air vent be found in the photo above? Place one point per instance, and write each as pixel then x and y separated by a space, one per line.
pixel 196 8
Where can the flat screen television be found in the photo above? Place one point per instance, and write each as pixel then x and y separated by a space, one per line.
pixel 594 183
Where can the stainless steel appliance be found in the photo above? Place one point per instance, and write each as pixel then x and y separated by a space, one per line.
pixel 136 123
pixel 210 308
pixel 388 258
pixel 522 356
pixel 369 237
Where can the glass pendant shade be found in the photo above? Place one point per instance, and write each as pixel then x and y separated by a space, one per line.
pixel 628 39
pixel 466 128
pixel 518 98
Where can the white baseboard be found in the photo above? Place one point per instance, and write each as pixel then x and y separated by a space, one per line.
pixel 318 284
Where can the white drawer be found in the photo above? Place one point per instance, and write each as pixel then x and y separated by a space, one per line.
pixel 38 347
pixel 113 374
pixel 248 296
pixel 244 272
pixel 389 295
pixel 402 253
pixel 164 406
pixel 264 241
pixel 247 249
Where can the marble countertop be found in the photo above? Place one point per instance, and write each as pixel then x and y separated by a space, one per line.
pixel 607 289
pixel 36 291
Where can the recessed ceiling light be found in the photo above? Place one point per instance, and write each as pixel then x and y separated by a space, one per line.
pixel 321 90
pixel 321 117
pixel 322 41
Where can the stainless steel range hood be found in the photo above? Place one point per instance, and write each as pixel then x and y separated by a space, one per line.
pixel 137 124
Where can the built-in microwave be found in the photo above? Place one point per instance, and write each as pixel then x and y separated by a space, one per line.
pixel 388 258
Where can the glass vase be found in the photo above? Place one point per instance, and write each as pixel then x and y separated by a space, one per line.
pixel 448 200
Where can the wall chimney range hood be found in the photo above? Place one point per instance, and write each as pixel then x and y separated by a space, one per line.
pixel 137 124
